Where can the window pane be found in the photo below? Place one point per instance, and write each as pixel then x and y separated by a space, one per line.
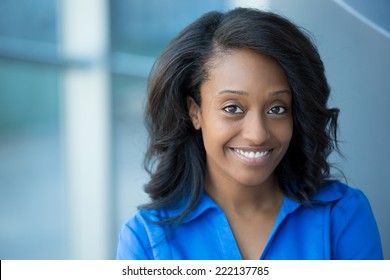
pixel 28 19
pixel 145 27
pixel 31 193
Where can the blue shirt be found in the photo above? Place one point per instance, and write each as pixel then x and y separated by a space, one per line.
pixel 344 229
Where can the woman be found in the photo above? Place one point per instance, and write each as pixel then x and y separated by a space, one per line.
pixel 240 133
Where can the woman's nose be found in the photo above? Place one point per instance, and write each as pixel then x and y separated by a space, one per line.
pixel 255 129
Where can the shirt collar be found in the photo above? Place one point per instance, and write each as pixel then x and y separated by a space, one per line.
pixel 205 203
pixel 328 194
pixel 331 193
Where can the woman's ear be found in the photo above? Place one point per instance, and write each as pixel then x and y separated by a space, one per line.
pixel 194 112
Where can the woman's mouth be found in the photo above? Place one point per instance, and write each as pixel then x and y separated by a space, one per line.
pixel 253 156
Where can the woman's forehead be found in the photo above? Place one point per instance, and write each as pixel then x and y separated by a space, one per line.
pixel 245 68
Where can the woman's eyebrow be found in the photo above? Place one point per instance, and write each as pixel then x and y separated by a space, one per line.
pixel 233 91
pixel 241 92
pixel 278 92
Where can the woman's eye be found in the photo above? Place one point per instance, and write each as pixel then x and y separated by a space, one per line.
pixel 233 109
pixel 277 110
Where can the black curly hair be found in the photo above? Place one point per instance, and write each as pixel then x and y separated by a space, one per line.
pixel 176 157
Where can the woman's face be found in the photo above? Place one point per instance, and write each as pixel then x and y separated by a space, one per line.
pixel 245 118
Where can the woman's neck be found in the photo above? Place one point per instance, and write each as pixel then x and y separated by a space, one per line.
pixel 241 199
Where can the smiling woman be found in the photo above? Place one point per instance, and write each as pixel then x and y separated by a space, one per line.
pixel 240 133
pixel 246 130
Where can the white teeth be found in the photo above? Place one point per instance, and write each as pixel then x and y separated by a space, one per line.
pixel 252 154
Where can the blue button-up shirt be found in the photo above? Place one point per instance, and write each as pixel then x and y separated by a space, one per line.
pixel 342 229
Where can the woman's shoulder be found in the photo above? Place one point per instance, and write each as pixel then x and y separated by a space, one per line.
pixel 136 224
pixel 352 220
pixel 349 205
pixel 139 235
pixel 338 192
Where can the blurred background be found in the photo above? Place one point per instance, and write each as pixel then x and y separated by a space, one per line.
pixel 72 89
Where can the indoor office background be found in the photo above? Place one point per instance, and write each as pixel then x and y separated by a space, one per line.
pixel 72 88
